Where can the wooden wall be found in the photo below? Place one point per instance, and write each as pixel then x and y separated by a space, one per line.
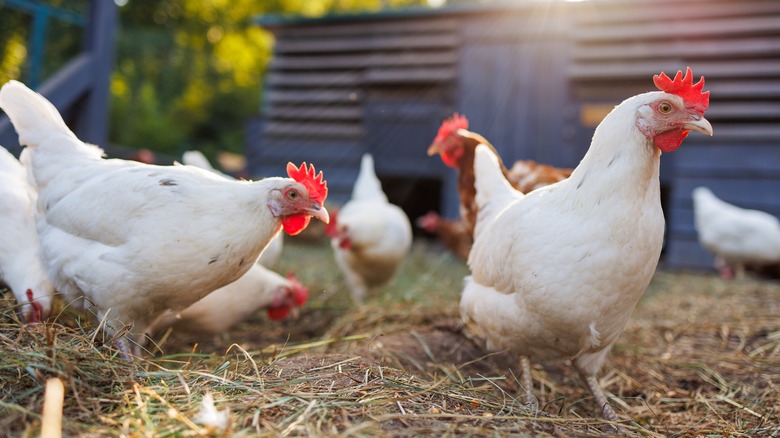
pixel 338 91
pixel 533 78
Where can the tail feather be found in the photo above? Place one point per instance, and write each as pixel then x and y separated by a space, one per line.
pixel 34 117
pixel 52 147
pixel 367 185
pixel 493 190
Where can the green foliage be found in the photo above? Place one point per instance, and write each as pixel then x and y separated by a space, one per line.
pixel 189 72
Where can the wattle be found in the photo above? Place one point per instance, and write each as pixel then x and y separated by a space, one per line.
pixel 295 224
pixel 669 141
pixel 277 313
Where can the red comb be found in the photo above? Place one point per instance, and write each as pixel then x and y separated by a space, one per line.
pixel 315 185
pixel 684 87
pixel 451 125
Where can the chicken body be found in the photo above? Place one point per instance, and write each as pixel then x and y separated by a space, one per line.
pixel 736 236
pixel 21 267
pixel 273 252
pixel 370 237
pixel 556 273
pixel 131 241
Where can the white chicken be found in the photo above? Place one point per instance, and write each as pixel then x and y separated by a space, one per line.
pixel 369 235
pixel 556 273
pixel 21 267
pixel 273 252
pixel 736 236
pixel 259 288
pixel 136 240
pixel 222 309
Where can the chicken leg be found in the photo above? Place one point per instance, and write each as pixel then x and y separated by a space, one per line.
pixel 607 412
pixel 526 380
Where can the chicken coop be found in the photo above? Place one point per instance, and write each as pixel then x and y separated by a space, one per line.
pixel 533 77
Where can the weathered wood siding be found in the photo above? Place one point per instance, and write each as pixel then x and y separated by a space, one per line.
pixel 533 78
pixel 338 91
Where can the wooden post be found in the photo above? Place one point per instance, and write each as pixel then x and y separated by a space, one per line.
pixel 92 125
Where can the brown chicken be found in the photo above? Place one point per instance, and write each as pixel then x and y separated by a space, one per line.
pixel 453 234
pixel 456 145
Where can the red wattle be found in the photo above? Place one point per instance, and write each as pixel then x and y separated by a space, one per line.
pixel 669 141
pixel 451 159
pixel 295 224
pixel 277 313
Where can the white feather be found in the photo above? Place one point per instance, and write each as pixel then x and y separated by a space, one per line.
pixel 21 266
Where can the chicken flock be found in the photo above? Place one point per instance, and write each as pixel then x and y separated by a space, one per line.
pixel 558 257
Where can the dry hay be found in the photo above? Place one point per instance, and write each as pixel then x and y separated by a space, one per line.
pixel 699 357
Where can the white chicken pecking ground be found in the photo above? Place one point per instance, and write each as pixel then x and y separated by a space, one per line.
pixel 131 241
pixel 370 236
pixel 734 235
pixel 21 267
pixel 556 273
pixel 227 306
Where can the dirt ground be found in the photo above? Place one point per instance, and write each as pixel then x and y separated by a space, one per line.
pixel 700 356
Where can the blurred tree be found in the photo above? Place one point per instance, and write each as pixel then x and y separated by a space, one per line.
pixel 188 71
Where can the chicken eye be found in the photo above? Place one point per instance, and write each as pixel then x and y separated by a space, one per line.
pixel 665 107
pixel 292 195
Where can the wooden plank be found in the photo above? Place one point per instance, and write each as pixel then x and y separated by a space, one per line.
pixel 355 61
pixel 316 96
pixel 92 125
pixel 744 111
pixel 697 49
pixel 434 41
pixel 604 12
pixel 742 133
pixel 319 79
pixel 760 68
pixel 541 21
pixel 330 130
pixel 361 28
pixel 755 193
pixel 682 29
pixel 755 88
pixel 410 75
pixel 688 254
pixel 316 113
pixel 728 160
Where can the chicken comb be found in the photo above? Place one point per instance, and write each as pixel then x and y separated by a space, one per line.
pixel 684 87
pixel 315 185
pixel 451 125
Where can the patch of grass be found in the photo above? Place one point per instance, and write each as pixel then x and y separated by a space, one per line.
pixel 699 357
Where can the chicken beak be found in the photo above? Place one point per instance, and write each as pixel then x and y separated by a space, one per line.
pixel 698 124
pixel 434 149
pixel 319 212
